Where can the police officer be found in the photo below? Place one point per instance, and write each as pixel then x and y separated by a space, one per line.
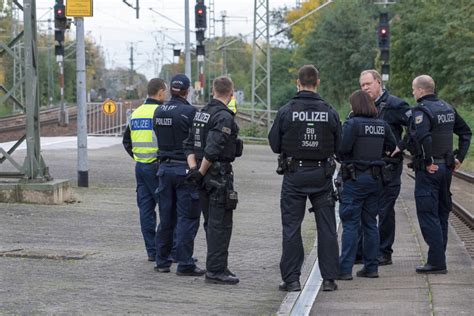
pixel 396 113
pixel 364 140
pixel 306 133
pixel 431 131
pixel 210 148
pixel 179 202
pixel 140 143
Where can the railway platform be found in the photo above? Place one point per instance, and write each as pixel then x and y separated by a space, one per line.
pixel 88 257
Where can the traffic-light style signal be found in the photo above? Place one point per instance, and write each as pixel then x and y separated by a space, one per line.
pixel 383 36
pixel 60 20
pixel 200 50
pixel 200 36
pixel 200 15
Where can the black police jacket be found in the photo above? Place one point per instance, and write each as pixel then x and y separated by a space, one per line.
pixel 365 139
pixel 171 123
pixel 432 125
pixel 306 128
pixel 394 111
pixel 214 134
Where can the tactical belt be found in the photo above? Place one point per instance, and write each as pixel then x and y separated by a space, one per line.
pixel 439 160
pixel 310 163
pixel 165 160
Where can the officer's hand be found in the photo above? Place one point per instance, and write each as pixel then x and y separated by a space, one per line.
pixel 432 168
pixel 457 164
pixel 396 151
pixel 194 177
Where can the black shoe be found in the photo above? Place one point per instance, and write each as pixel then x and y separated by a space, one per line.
pixel 344 277
pixel 150 258
pixel 330 285
pixel 174 260
pixel 384 260
pixel 194 272
pixel 220 278
pixel 228 272
pixel 429 269
pixel 294 286
pixel 162 270
pixel 364 274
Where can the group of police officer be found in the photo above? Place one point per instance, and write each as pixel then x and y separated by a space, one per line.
pixel 308 137
pixel 183 164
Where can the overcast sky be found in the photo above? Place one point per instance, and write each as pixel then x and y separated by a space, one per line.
pixel 115 27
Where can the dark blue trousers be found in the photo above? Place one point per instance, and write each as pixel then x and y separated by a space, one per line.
pixel 386 213
pixel 299 186
pixel 147 183
pixel 179 208
pixel 433 204
pixel 358 212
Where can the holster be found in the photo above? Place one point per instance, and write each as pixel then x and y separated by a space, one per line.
pixel 231 199
pixel 450 160
pixel 239 147
pixel 282 166
pixel 329 168
pixel 348 172
pixel 376 171
pixel 387 171
pixel 291 164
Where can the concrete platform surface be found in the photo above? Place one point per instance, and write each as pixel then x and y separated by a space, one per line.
pixel 400 290
pixel 91 253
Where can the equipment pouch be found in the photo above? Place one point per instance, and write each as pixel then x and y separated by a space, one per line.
pixel 281 165
pixel 329 168
pixel 239 147
pixel 291 164
pixel 345 173
pixel 376 171
pixel 387 173
pixel 231 200
pixel 450 162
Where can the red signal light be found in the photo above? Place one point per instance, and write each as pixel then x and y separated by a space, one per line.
pixel 200 11
pixel 60 11
pixel 383 31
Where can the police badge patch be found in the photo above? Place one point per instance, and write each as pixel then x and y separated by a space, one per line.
pixel 226 130
pixel 418 118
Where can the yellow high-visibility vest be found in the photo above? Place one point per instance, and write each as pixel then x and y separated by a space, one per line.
pixel 144 142
pixel 232 105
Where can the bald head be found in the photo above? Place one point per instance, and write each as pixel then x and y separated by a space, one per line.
pixel 423 85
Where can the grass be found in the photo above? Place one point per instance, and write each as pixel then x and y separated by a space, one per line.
pixel 467 113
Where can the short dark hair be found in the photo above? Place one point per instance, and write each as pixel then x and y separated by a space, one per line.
pixel 362 104
pixel 308 76
pixel 180 93
pixel 222 86
pixel 155 85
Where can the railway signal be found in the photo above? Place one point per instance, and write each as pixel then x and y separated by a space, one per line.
pixel 200 15
pixel 383 37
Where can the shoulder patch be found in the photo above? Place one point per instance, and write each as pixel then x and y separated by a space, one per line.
pixel 419 118
pixel 408 113
pixel 226 130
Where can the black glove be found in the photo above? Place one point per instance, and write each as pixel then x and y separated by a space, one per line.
pixel 194 177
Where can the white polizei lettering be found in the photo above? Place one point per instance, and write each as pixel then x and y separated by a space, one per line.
pixel 310 116
pixel 202 117
pixel 168 107
pixel 167 121
pixel 374 130
pixel 445 118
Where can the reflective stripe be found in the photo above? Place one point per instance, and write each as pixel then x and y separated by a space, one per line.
pixel 144 144
pixel 145 155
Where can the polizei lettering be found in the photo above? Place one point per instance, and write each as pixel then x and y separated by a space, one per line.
pixel 445 118
pixel 166 121
pixel 202 117
pixel 310 116
pixel 374 130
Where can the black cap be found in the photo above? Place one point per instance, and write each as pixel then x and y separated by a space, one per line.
pixel 180 82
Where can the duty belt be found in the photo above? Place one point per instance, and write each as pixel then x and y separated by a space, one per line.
pixel 439 160
pixel 165 160
pixel 310 163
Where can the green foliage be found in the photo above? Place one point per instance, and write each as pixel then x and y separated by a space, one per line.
pixel 437 38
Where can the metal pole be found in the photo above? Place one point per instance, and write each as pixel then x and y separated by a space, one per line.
pixel 187 52
pixel 269 70
pixel 254 58
pixel 224 57
pixel 62 112
pixel 82 163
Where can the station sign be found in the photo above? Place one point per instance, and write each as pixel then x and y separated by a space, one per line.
pixel 109 107
pixel 79 8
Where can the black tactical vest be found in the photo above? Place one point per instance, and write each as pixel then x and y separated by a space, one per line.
pixel 370 138
pixel 201 126
pixel 309 135
pixel 169 126
pixel 442 118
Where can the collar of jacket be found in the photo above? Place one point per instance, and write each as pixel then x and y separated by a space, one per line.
pixel 177 98
pixel 152 101
pixel 428 97
pixel 307 95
